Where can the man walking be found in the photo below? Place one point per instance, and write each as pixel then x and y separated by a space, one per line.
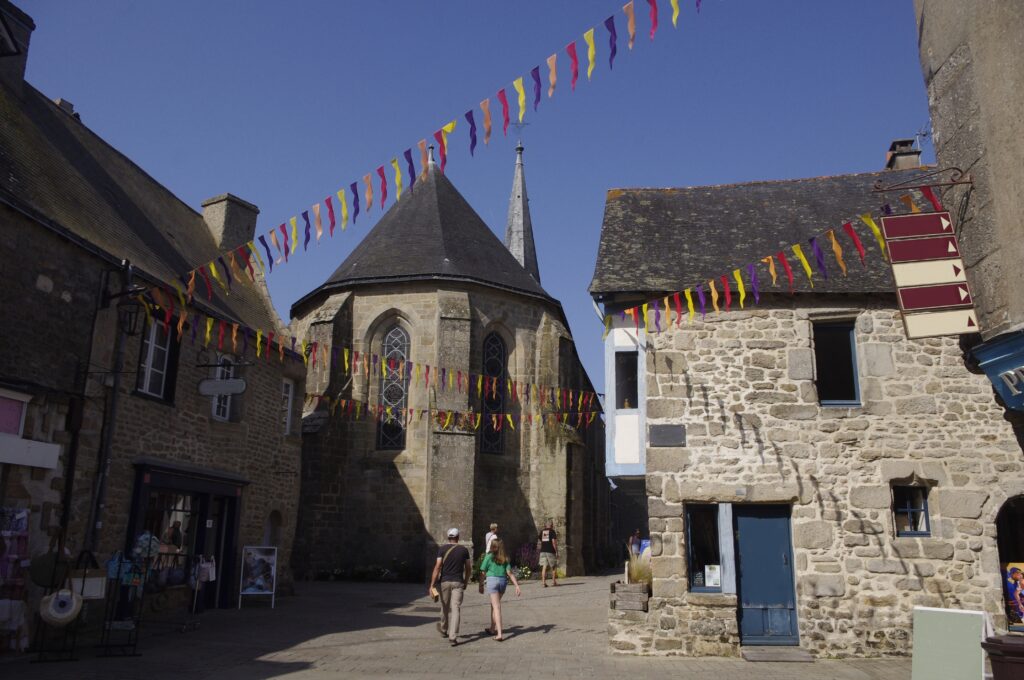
pixel 548 541
pixel 454 569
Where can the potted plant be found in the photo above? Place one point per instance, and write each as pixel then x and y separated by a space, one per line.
pixel 634 591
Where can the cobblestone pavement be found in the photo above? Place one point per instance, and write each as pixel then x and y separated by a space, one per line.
pixel 350 630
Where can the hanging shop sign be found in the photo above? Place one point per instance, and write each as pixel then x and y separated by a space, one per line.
pixel 259 573
pixel 931 282
pixel 1002 359
pixel 221 388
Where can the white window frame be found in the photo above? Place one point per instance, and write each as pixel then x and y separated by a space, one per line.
pixel 288 393
pixel 221 404
pixel 24 399
pixel 146 366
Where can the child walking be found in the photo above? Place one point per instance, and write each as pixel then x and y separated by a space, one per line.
pixel 494 574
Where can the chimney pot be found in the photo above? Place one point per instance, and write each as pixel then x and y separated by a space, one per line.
pixel 231 220
pixel 15 32
pixel 902 154
pixel 65 106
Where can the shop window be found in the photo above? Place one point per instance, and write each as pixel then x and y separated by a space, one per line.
pixel 394 389
pixel 703 559
pixel 495 365
pixel 225 370
pixel 172 517
pixel 287 396
pixel 626 379
pixel 910 510
pixel 835 359
pixel 158 359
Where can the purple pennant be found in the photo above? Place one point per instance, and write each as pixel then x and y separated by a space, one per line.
pixel 305 216
pixel 412 168
pixel 819 257
pixel 609 23
pixel 887 209
pixel 700 297
pixel 355 201
pixel 698 6
pixel 270 258
pixel 444 372
pixel 752 272
pixel 657 316
pixel 535 74
pixel 227 272
pixel 334 356
pixel 472 131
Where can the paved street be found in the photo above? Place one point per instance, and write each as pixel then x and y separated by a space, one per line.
pixel 350 630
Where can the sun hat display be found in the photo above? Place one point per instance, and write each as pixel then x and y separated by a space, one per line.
pixel 60 608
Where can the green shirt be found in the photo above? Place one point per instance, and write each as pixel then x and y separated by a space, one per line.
pixel 491 568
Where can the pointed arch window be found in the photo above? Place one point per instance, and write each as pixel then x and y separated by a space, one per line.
pixel 394 389
pixel 492 439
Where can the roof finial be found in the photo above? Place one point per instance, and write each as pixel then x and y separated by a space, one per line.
pixel 430 155
pixel 519 151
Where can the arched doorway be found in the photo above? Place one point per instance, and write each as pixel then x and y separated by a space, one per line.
pixel 1010 538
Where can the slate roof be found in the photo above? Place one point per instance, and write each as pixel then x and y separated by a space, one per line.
pixel 432 233
pixel 655 240
pixel 55 169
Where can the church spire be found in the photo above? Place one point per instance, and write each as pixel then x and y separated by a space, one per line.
pixel 519 230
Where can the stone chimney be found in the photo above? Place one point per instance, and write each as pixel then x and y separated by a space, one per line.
pixel 231 220
pixel 15 31
pixel 902 155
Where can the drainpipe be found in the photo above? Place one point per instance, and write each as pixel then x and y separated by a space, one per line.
pixel 109 423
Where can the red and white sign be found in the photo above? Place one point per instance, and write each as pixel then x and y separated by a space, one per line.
pixel 931 283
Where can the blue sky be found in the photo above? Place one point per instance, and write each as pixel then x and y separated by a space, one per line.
pixel 282 104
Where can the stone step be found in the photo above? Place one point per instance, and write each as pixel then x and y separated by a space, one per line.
pixel 776 653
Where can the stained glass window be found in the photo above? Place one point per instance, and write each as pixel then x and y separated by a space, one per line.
pixel 394 389
pixel 493 406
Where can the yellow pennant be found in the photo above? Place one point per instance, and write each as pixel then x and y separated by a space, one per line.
pixel 345 357
pixel 770 261
pixel 476 426
pixel 479 385
pixel 305 359
pixel 259 342
pixel 552 74
pixel 647 321
pixel 317 223
pixel 591 53
pixel 675 12
pixel 447 130
pixel 447 421
pixel 689 303
pixel 209 329
pixel 518 84
pixel 803 261
pixel 607 326
pixel 739 284
pixel 508 416
pixel 398 178
pixel 216 276
pixel 837 250
pixel 714 294
pixel 451 379
pixel 867 219
pixel 295 234
pixel 343 201
pixel 256 255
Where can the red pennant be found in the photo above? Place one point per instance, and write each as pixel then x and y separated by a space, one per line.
pixel 679 308
pixel 785 267
pixel 206 280
pixel 330 215
pixel 384 184
pixel 284 234
pixel 728 293
pixel 574 63
pixel 504 110
pixel 848 228
pixel 932 198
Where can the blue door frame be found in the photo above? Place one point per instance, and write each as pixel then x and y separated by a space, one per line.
pixel 764 580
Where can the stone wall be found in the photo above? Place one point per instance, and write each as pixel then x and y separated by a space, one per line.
pixel 405 499
pixel 743 385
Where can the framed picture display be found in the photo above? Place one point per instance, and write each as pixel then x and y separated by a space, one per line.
pixel 259 573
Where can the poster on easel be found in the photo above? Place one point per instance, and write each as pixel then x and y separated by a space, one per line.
pixel 259 573
pixel 1013 587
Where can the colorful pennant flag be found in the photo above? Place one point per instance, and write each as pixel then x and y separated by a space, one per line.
pixel 627 9
pixel 317 223
pixel 263 242
pixel 355 201
pixel 752 273
pixel 786 268
pixel 367 180
pixel 799 252
pixel 675 12
pixel 574 63
pixel 700 299
pixel 770 261
pixel 306 231
pixel 932 198
pixel 504 111
pixel 343 202
pixel 739 285
pixel 552 73
pixel 588 37
pixel 908 201
pixel 609 24
pixel 410 167
pixel 714 296
pixel 330 215
pixel 398 179
pixel 424 161
pixel 535 75
pixel 383 186
pixel 848 228
pixel 868 220
pixel 521 95
pixel 485 106
pixel 728 293
pixel 654 16
pixel 837 250
pixel 689 304
pixel 819 257
pixel 294 247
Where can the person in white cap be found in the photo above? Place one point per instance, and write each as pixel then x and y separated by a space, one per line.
pixel 453 570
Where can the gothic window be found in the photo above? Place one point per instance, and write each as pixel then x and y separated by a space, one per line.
pixel 394 389
pixel 495 360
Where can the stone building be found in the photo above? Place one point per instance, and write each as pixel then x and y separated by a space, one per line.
pixel 811 475
pixel 972 56
pixel 431 285
pixel 72 211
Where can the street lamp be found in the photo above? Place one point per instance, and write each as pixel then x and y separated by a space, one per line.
pixel 128 314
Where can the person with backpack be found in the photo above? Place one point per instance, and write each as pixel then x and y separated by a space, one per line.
pixel 453 570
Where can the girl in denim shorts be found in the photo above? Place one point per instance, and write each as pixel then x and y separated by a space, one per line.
pixel 494 574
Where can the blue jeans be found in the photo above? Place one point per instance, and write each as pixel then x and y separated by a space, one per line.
pixel 496 584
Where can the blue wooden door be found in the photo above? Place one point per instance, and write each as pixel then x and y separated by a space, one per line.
pixel 764 575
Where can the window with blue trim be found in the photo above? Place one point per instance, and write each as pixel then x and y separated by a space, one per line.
pixel 703 561
pixel 626 379
pixel 910 510
pixel 835 360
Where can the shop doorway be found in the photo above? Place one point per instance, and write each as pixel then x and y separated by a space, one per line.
pixel 193 513
pixel 765 587
pixel 1010 540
